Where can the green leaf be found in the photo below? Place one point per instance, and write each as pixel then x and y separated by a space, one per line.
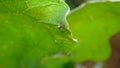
pixel 25 39
pixel 93 25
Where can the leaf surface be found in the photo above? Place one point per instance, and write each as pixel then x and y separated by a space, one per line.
pixel 93 25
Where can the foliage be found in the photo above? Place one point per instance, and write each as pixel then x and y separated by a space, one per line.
pixel 93 25
pixel 27 35
pixel 30 37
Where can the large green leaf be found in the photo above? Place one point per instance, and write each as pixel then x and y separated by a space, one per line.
pixel 23 41
pixel 93 25
pixel 25 38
